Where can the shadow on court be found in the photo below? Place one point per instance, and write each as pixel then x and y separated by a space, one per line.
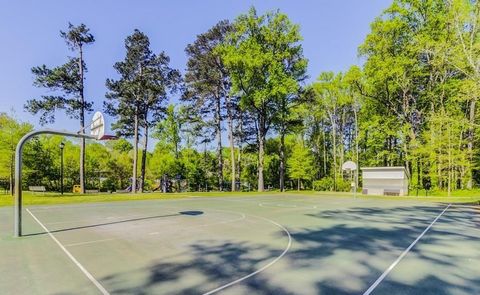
pixel 340 247
pixel 436 265
pixel 187 213
pixel 216 263
pixel 343 258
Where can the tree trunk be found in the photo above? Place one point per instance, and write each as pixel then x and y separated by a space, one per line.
pixel 342 145
pixel 470 142
pixel 231 140
pixel 261 151
pixel 282 160
pixel 218 126
pixel 357 161
pixel 240 150
pixel 82 124
pixel 449 184
pixel 298 185
pixel 324 152
pixel 334 138
pixel 144 158
pixel 135 152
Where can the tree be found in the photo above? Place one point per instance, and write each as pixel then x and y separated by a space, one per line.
pixel 10 133
pixel 160 80
pixel 68 82
pixel 168 130
pixel 329 100
pixel 125 94
pixel 256 56
pixel 301 163
pixel 465 17
pixel 414 72
pixel 137 98
pixel 293 67
pixel 208 87
pixel 287 120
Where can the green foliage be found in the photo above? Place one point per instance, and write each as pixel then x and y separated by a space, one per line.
pixel 66 81
pixel 10 133
pixel 168 130
pixel 301 163
pixel 327 184
pixel 265 63
pixel 208 86
pixel 137 98
pixel 324 184
pixel 413 103
pixel 141 91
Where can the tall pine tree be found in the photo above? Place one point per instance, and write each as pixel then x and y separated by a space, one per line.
pixel 67 81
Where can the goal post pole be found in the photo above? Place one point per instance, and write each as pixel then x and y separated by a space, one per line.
pixel 18 170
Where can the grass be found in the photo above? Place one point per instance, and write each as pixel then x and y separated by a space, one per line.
pixel 470 196
pixel 69 198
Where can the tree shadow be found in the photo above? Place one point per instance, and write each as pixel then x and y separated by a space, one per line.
pixel 212 264
pixel 383 234
pixel 344 254
pixel 186 213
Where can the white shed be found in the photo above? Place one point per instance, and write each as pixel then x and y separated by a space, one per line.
pixel 388 181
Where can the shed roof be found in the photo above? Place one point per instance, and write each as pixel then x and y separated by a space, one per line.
pixel 387 168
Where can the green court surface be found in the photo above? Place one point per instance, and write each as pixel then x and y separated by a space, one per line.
pixel 267 244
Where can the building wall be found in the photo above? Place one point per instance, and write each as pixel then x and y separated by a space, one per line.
pixel 384 174
pixel 378 182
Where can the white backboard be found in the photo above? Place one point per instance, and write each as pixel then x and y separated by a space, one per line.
pixel 97 126
pixel 349 166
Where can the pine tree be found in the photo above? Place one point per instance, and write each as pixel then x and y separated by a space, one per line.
pixel 68 82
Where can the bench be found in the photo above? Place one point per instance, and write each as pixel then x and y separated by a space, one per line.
pixel 391 192
pixel 92 191
pixel 39 188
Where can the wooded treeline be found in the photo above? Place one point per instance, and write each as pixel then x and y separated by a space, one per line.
pixel 412 103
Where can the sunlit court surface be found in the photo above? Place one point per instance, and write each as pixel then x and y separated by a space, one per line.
pixel 267 244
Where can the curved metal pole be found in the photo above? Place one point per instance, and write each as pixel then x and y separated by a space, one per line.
pixel 18 171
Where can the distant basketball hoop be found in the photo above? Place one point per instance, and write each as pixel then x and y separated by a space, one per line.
pixel 351 167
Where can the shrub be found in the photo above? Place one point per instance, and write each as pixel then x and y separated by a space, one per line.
pixel 326 184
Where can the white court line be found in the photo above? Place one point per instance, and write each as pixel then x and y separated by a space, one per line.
pixel 392 266
pixel 83 269
pixel 89 242
pixel 283 206
pixel 262 268
pixel 100 219
pixel 208 224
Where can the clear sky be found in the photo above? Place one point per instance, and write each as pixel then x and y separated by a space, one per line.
pixel 29 33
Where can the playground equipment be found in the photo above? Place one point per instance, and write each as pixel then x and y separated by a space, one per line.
pixel 76 189
pixel 97 132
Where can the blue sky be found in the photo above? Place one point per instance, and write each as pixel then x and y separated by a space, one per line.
pixel 29 30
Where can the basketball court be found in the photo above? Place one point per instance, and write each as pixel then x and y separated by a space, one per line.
pixel 266 244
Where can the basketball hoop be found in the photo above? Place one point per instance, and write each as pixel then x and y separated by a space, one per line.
pixel 351 167
pixel 98 126
pixel 97 131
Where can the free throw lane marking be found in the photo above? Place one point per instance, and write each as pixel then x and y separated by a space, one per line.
pixel 83 269
pixel 392 266
pixel 88 242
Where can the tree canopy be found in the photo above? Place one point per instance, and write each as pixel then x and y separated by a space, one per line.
pixel 412 102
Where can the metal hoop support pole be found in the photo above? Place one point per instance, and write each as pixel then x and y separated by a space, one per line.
pixel 18 171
